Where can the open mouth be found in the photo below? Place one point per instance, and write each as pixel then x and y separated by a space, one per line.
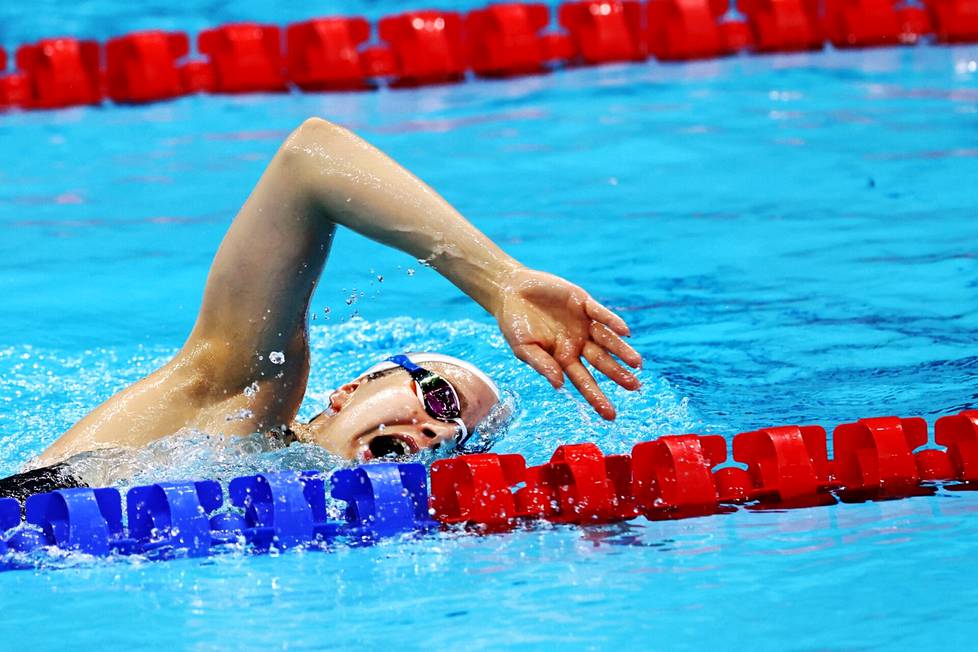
pixel 390 446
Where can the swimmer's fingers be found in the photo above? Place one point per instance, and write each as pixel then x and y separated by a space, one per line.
pixel 600 314
pixel 588 387
pixel 603 362
pixel 542 363
pixel 610 342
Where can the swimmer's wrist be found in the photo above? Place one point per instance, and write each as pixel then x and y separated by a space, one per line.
pixel 500 281
pixel 487 283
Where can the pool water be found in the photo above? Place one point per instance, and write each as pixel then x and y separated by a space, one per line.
pixel 792 239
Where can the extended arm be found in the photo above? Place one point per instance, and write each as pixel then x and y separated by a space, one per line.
pixel 259 287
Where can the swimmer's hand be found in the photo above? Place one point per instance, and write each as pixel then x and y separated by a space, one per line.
pixel 551 324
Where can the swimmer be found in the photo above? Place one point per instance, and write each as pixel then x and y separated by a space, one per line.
pixel 248 351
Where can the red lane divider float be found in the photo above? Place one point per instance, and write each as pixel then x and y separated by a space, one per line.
pixel 61 72
pixel 689 29
pixel 605 32
pixel 245 57
pixel 477 489
pixel 788 465
pixel 874 457
pixel 680 476
pixel 434 47
pixel 672 476
pixel 506 39
pixel 323 54
pixel 580 485
pixel 141 67
pixel 864 23
pixel 783 25
pixel 857 23
pixel 427 47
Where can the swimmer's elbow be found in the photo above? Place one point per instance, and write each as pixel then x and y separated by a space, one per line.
pixel 318 131
pixel 301 154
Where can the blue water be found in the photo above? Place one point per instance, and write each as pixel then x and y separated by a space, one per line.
pixel 792 239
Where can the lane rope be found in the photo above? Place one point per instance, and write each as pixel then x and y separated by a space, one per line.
pixel 671 477
pixel 418 48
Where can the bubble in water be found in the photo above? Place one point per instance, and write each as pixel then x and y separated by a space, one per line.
pixel 240 415
pixel 410 271
pixel 276 357
pixel 251 389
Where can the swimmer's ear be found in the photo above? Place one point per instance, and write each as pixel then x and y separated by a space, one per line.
pixel 341 396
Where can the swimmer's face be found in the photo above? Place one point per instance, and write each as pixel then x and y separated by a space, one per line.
pixel 382 415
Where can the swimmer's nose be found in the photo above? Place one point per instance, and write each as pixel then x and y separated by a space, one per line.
pixel 433 435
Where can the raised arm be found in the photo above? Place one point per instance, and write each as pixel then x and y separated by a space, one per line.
pixel 262 279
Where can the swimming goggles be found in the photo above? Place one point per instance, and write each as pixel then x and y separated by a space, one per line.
pixel 437 395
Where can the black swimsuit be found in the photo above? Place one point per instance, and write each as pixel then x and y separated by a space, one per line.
pixel 60 476
pixel 39 481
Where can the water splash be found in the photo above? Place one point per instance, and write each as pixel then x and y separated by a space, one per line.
pixel 45 392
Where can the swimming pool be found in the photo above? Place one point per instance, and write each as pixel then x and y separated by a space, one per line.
pixel 790 237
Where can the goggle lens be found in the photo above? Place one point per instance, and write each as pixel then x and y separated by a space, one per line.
pixel 440 399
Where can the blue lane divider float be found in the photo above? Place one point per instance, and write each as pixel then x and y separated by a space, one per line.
pixel 281 510
pixel 85 520
pixel 174 515
pixel 383 499
pixel 269 510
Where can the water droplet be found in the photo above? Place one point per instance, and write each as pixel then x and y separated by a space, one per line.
pixel 241 414
pixel 410 271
